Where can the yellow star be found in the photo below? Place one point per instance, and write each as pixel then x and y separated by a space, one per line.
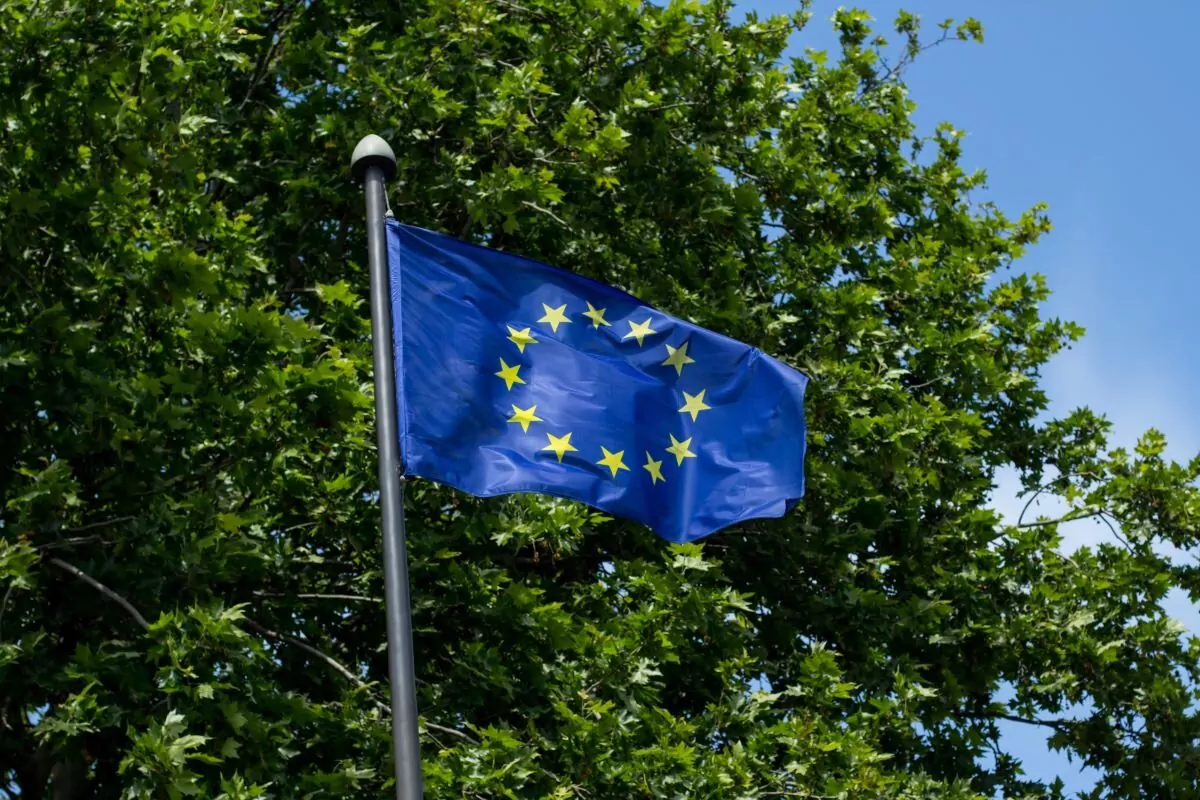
pixel 554 316
pixel 509 374
pixel 680 449
pixel 560 445
pixel 677 358
pixel 654 468
pixel 695 404
pixel 520 338
pixel 612 460
pixel 596 315
pixel 639 331
pixel 524 416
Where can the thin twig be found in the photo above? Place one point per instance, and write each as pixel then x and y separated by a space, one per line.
pixel 1057 724
pixel 1061 520
pixel 555 162
pixel 308 648
pixel 1100 514
pixel 1103 515
pixel 547 212
pixel 925 384
pixel 1047 486
pixel 4 605
pixel 278 33
pixel 101 524
pixel 908 58
pixel 668 106
pixel 345 672
pixel 453 732
pixel 71 542
pixel 171 483
pixel 310 596
pixel 522 9
pixel 100 587
pixel 1029 502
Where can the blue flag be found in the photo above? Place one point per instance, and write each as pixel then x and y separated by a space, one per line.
pixel 514 376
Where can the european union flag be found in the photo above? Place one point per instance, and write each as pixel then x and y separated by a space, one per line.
pixel 514 376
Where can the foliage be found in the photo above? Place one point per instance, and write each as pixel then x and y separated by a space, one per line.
pixel 189 562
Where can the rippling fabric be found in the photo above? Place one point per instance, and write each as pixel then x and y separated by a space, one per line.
pixel 514 376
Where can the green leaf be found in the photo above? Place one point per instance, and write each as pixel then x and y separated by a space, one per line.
pixel 190 561
pixel 191 123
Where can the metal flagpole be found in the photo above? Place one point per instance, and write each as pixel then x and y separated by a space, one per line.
pixel 373 163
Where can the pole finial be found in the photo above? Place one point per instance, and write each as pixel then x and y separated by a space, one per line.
pixel 372 151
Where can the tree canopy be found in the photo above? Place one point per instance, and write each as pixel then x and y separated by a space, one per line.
pixel 189 551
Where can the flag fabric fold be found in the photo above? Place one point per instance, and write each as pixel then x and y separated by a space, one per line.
pixel 515 376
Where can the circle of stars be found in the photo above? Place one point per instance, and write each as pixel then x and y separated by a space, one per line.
pixel 612 460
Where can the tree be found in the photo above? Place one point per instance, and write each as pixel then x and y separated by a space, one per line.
pixel 189 565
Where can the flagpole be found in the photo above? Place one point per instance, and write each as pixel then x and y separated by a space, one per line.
pixel 374 163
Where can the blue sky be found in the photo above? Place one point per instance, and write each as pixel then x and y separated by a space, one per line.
pixel 1087 106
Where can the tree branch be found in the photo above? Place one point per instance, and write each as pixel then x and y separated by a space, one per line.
pixel 452 732
pixel 104 523
pixel 668 106
pixel 92 537
pixel 278 34
pixel 1064 519
pixel 4 604
pixel 214 469
pixel 1104 515
pixel 908 58
pixel 310 596
pixel 71 542
pixel 924 385
pixel 1056 724
pixel 303 524
pixel 100 587
pixel 308 648
pixel 345 672
pixel 547 212
pixel 1100 514
pixel 522 9
pixel 1029 502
